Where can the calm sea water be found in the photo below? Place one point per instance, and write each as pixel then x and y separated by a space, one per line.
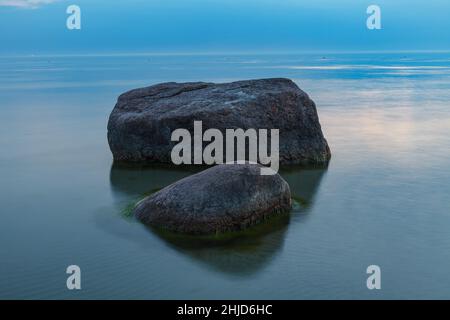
pixel 384 199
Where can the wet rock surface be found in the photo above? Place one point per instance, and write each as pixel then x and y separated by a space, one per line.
pixel 227 197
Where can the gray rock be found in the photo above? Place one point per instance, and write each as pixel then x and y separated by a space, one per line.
pixel 226 197
pixel 141 124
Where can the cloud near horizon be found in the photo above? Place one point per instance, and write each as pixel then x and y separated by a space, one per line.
pixel 27 4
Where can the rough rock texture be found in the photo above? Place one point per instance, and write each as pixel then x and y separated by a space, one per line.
pixel 226 197
pixel 140 126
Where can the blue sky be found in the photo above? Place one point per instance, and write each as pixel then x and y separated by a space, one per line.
pixel 39 26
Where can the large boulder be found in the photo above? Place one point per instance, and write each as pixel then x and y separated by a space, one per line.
pixel 141 124
pixel 226 197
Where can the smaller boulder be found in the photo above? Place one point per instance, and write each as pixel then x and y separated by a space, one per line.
pixel 227 197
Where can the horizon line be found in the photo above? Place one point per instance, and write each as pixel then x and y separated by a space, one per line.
pixel 113 53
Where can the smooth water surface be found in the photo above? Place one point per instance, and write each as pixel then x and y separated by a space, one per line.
pixel 384 198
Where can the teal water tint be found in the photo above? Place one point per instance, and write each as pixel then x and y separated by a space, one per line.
pixel 384 198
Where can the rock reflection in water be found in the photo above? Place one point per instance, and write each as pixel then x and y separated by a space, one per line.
pixel 238 254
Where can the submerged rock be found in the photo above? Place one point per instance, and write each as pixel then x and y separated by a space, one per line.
pixel 226 197
pixel 141 124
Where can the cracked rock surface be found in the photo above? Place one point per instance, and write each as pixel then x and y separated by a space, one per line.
pixel 141 124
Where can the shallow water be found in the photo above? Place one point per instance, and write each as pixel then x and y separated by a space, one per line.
pixel 384 198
